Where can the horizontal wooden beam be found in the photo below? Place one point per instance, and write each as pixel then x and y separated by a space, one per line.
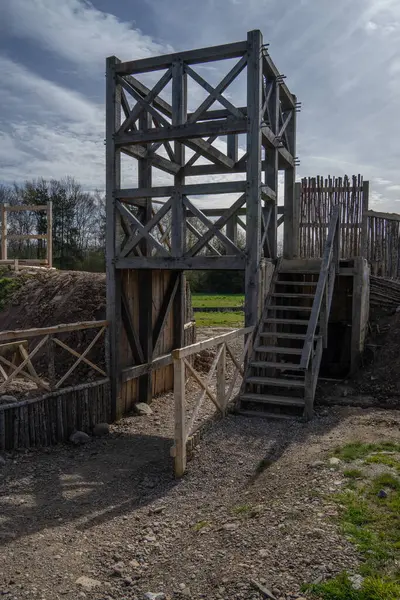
pixel 30 236
pixel 179 132
pixel 138 370
pixel 202 263
pixel 222 113
pixel 197 189
pixel 179 353
pixel 55 329
pixel 382 215
pixel 32 207
pixel 190 57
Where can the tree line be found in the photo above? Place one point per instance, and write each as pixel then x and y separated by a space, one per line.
pixel 79 231
pixel 78 223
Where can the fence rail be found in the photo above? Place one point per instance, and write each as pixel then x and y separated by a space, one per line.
pixel 20 358
pixel 219 394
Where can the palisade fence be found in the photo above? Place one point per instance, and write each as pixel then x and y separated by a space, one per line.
pixel 318 197
pixel 363 232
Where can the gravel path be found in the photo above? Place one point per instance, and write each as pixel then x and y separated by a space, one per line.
pixel 108 520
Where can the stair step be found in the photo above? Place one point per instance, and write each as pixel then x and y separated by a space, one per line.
pixel 262 364
pixel 286 307
pixel 278 350
pixel 267 399
pixel 284 336
pixel 288 295
pixel 287 321
pixel 299 283
pixel 272 381
pixel 263 414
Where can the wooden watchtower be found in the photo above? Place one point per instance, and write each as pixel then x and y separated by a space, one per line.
pixel 164 114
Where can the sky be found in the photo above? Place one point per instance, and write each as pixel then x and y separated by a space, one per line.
pixel 341 59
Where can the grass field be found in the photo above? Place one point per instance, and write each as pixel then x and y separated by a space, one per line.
pixel 218 319
pixel 200 300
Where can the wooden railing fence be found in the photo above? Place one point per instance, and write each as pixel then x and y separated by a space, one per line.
pixel 218 392
pixel 20 360
pixel 313 345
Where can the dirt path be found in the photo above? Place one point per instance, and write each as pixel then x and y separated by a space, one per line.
pixel 253 505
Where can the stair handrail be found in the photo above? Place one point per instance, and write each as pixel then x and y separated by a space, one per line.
pixel 325 285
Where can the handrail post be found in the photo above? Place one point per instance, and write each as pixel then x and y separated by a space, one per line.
pixel 180 416
pixel 221 379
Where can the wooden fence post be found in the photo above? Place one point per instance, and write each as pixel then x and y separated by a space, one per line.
pixel 51 368
pixel 49 249
pixel 4 231
pixel 180 416
pixel 364 223
pixel 221 379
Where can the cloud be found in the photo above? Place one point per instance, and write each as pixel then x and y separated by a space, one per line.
pixel 48 130
pixel 77 31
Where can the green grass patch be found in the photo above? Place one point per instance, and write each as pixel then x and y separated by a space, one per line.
pixel 219 319
pixel 353 474
pixel 8 286
pixel 242 509
pixel 218 300
pixel 371 521
pixel 357 450
pixel 200 525
pixel 341 588
pixel 384 459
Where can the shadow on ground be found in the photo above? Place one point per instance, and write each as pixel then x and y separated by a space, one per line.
pixel 88 485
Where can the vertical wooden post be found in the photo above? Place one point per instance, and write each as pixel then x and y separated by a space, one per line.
pixel 221 379
pixel 231 229
pixel 4 231
pixel 113 276
pixel 271 173
pixel 51 366
pixel 364 224
pixel 291 203
pixel 253 200
pixel 146 276
pixel 233 153
pixel 180 416
pixel 308 389
pixel 178 224
pixel 49 248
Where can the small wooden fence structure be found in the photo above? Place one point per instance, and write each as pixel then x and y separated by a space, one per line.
pixel 49 364
pixel 5 236
pixel 383 244
pixel 15 342
pixel 188 433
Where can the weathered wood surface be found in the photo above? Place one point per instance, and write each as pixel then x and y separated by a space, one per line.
pixel 51 418
pixel 317 198
pixel 221 396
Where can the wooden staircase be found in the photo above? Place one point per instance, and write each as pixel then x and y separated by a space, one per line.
pixel 281 375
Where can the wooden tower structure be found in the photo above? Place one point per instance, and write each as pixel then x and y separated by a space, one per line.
pixel 192 147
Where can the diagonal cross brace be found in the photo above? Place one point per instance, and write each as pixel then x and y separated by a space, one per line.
pixel 144 105
pixel 141 228
pixel 214 228
pixel 196 144
pixel 136 237
pixel 215 93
